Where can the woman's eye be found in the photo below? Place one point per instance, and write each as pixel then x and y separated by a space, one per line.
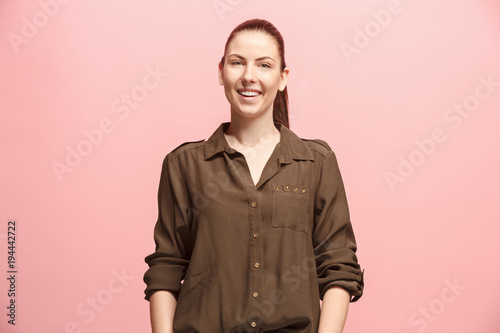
pixel 235 63
pixel 266 65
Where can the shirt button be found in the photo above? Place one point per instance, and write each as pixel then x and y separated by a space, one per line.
pixel 256 265
pixel 287 187
pixel 253 324
pixel 255 234
pixel 255 294
pixel 254 204
pixel 295 189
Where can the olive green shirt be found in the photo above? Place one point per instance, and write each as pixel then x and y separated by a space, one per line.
pixel 241 257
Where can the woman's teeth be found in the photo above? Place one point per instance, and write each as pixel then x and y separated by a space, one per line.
pixel 248 93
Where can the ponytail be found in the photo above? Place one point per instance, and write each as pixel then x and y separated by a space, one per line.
pixel 280 108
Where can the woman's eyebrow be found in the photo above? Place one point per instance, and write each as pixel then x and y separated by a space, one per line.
pixel 261 58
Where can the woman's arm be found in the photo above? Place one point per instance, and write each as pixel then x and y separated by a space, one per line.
pixel 162 308
pixel 173 246
pixel 334 310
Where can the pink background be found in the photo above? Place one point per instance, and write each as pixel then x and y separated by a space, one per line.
pixel 433 227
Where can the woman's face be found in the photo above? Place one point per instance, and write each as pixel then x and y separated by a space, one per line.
pixel 252 74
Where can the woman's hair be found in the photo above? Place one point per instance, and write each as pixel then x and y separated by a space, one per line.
pixel 280 107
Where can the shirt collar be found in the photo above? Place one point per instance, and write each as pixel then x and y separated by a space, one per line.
pixel 292 147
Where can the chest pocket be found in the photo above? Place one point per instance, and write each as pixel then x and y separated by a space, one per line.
pixel 290 207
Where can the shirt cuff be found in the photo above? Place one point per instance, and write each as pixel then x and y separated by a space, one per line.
pixel 163 277
pixel 354 285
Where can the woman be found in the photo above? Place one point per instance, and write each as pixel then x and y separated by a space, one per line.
pixel 255 219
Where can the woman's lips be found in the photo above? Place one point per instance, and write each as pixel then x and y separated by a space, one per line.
pixel 248 94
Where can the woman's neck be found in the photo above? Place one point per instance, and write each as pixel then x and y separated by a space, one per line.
pixel 251 132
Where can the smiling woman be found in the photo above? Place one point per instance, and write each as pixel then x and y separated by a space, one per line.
pixel 260 39
pixel 259 248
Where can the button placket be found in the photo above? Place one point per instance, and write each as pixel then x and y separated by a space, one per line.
pixel 256 255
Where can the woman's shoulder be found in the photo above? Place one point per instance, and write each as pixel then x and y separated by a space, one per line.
pixel 316 145
pixel 184 147
pixel 321 146
pixel 187 145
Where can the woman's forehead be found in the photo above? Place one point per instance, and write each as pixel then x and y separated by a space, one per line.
pixel 253 42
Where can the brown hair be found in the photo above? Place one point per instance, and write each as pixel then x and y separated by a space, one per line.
pixel 280 107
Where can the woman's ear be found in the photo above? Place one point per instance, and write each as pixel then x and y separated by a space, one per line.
pixel 221 79
pixel 284 79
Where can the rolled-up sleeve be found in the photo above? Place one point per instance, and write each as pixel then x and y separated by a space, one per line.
pixel 333 236
pixel 169 261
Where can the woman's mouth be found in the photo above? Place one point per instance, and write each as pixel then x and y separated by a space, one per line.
pixel 249 94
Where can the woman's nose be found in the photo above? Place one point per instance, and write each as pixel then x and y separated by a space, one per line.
pixel 249 74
